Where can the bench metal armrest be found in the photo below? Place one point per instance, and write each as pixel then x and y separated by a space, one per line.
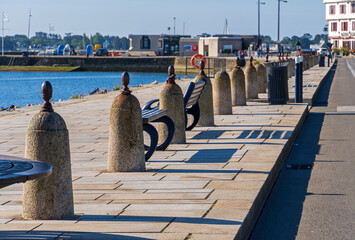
pixel 148 105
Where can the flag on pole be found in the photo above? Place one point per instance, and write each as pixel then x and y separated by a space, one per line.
pixel 51 28
pixel 5 18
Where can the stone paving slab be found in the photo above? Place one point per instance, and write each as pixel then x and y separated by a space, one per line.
pixel 209 188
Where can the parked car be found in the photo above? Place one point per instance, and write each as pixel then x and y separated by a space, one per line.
pixel 323 51
pixel 101 52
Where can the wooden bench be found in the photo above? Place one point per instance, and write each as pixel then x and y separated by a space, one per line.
pixel 156 115
pixel 191 97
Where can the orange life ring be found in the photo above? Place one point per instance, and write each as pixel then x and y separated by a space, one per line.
pixel 196 56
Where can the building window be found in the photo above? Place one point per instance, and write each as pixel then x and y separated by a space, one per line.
pixel 344 26
pixel 332 9
pixel 334 26
pixel 336 43
pixel 342 9
pixel 353 26
pixel 145 42
pixel 353 8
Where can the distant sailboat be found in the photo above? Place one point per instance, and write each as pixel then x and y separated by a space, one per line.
pixel 226 30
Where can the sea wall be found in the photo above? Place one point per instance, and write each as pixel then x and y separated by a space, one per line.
pixel 110 64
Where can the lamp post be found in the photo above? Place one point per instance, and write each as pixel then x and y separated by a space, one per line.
pixel 259 20
pixel 278 26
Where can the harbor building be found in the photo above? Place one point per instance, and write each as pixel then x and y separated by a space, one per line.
pixel 340 15
pixel 183 45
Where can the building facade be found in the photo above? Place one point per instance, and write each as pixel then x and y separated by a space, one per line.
pixel 183 45
pixel 161 45
pixel 340 15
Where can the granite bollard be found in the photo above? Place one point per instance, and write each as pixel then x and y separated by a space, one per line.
pixel 206 99
pixel 172 99
pixel 222 97
pixel 251 81
pixel 238 86
pixel 47 140
pixel 126 147
pixel 261 78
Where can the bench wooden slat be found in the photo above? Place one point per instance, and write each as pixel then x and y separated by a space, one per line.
pixel 153 114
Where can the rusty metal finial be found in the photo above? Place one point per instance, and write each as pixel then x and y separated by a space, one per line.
pixel 267 58
pixel 47 92
pixel 251 61
pixel 286 56
pixel 279 57
pixel 202 67
pixel 125 82
pixel 283 57
pixel 171 72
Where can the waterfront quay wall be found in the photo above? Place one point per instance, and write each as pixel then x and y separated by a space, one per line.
pixel 118 64
pixel 109 64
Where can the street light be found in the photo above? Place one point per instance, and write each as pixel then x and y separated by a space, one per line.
pixel 278 26
pixel 259 20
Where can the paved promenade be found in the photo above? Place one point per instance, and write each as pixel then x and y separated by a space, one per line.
pixel 213 187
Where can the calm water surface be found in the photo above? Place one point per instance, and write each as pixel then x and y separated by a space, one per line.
pixel 22 88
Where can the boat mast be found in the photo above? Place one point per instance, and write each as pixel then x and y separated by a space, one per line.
pixel 28 35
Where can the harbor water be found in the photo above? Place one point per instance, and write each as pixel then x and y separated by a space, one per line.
pixel 22 88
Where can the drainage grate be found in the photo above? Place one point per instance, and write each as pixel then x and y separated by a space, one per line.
pixel 299 166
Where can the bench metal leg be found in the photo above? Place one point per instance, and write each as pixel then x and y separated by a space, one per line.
pixel 171 129
pixel 195 112
pixel 153 133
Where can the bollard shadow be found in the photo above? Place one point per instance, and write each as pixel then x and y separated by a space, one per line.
pixel 39 235
pixel 282 212
pixel 170 219
pixel 45 235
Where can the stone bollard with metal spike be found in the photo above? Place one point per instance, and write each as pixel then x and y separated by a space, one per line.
pixel 238 86
pixel 172 99
pixel 251 82
pixel 126 147
pixel 206 99
pixel 47 139
pixel 261 77
pixel 222 98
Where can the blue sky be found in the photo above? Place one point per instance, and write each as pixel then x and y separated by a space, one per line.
pixel 123 17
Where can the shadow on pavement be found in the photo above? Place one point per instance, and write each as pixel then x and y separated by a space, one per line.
pixel 281 215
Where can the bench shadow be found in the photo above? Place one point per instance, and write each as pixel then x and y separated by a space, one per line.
pixel 245 134
pixel 212 156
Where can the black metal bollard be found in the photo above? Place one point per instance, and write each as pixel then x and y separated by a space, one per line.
pixel 328 59
pixel 298 81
